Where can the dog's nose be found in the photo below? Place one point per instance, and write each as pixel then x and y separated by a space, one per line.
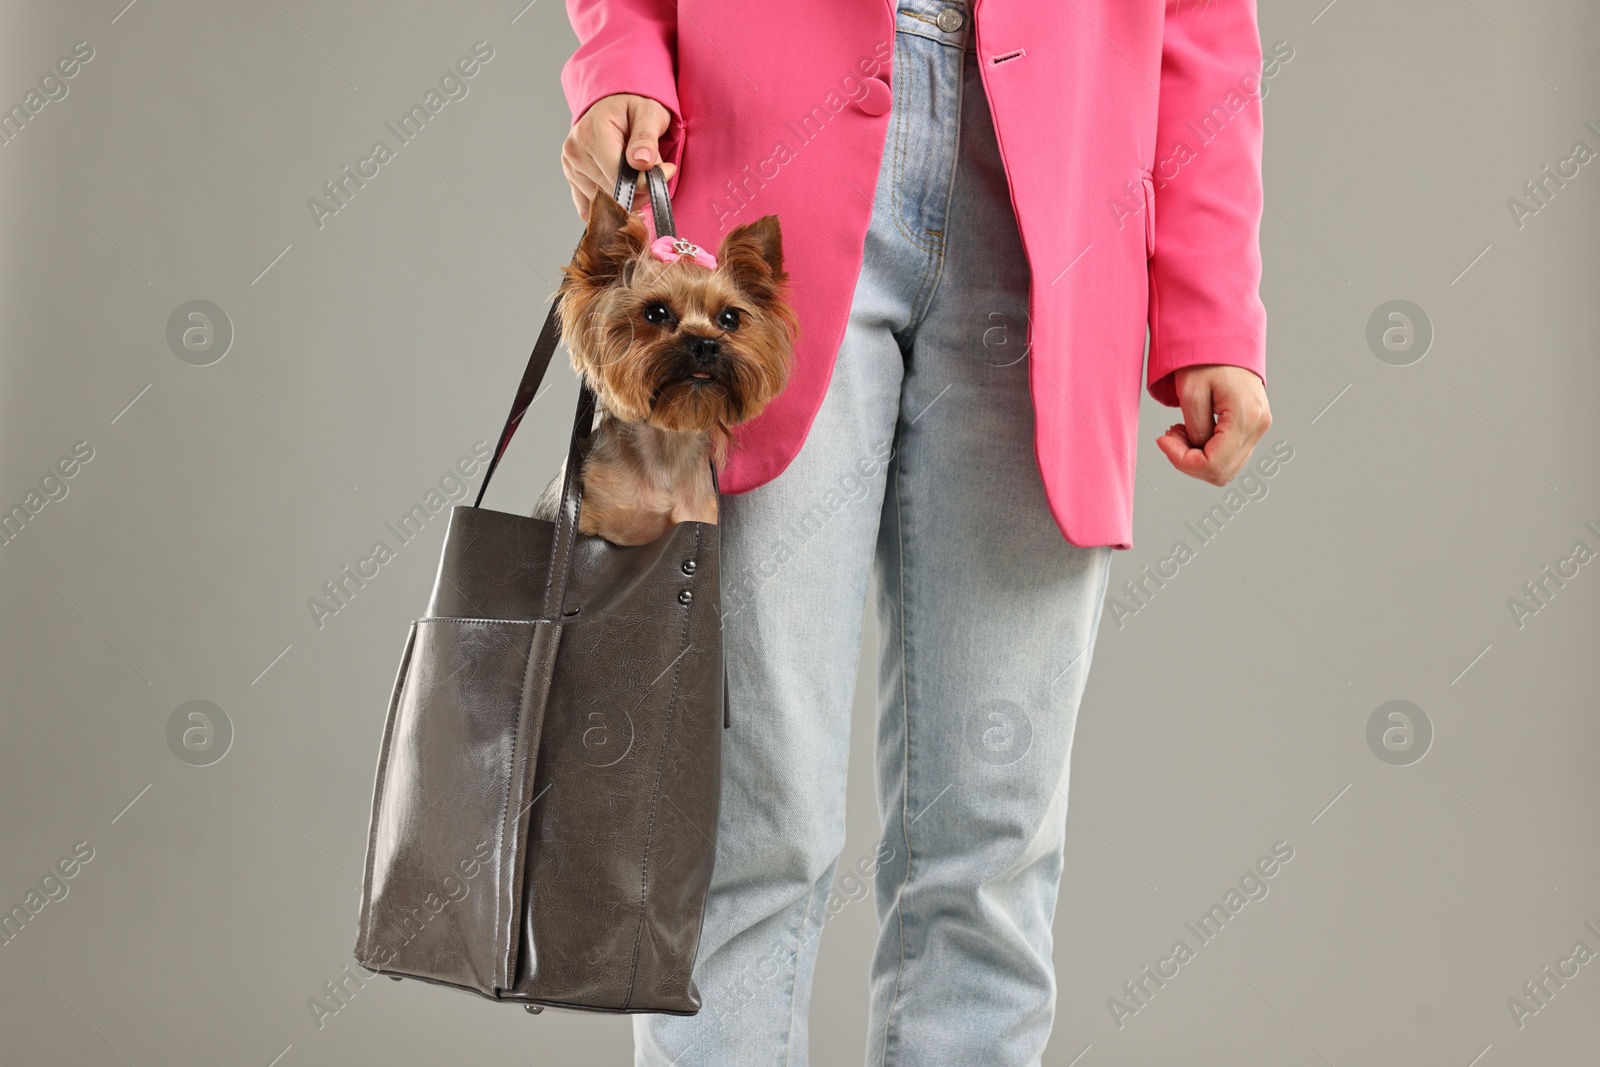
pixel 704 349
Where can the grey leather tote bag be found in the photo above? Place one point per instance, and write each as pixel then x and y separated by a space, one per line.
pixel 544 819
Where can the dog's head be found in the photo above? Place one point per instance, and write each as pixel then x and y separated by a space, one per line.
pixel 676 344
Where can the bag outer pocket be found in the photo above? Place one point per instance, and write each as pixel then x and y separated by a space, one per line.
pixel 444 860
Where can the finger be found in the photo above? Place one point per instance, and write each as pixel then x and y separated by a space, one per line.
pixel 1216 463
pixel 1227 449
pixel 1174 444
pixel 583 191
pixel 1197 413
pixel 600 167
pixel 1242 420
pixel 597 144
pixel 577 162
pixel 1172 448
pixel 606 175
pixel 647 121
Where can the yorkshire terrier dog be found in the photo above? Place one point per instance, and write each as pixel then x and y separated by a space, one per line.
pixel 678 346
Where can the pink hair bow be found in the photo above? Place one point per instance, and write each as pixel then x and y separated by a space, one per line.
pixel 669 249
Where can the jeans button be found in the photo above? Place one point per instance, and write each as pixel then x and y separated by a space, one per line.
pixel 950 20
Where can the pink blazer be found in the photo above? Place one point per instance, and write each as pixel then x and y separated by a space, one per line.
pixel 1130 131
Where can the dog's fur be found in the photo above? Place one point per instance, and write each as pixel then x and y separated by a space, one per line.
pixel 669 383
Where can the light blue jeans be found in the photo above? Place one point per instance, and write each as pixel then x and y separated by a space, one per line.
pixel 920 465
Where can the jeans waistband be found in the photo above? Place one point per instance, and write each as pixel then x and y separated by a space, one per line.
pixel 949 22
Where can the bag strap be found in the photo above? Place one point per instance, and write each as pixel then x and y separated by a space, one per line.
pixel 550 334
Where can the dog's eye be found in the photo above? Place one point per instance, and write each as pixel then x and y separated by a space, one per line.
pixel 729 319
pixel 657 314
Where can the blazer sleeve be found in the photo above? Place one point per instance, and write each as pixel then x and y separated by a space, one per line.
pixel 1206 193
pixel 626 46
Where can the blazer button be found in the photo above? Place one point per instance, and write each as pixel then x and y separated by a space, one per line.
pixel 877 98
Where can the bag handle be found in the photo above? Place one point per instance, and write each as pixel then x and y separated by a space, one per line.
pixel 550 334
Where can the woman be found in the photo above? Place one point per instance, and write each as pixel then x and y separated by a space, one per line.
pixel 975 256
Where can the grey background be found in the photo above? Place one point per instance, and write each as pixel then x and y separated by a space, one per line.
pixel 1228 714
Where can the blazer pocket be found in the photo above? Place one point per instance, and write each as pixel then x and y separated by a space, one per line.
pixel 1148 180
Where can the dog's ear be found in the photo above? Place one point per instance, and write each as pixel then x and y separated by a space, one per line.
pixel 614 236
pixel 753 255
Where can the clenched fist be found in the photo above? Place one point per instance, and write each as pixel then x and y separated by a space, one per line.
pixel 593 148
pixel 1224 415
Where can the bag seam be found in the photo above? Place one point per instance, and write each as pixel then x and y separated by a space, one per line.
pixel 382 779
pixel 505 805
pixel 482 622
